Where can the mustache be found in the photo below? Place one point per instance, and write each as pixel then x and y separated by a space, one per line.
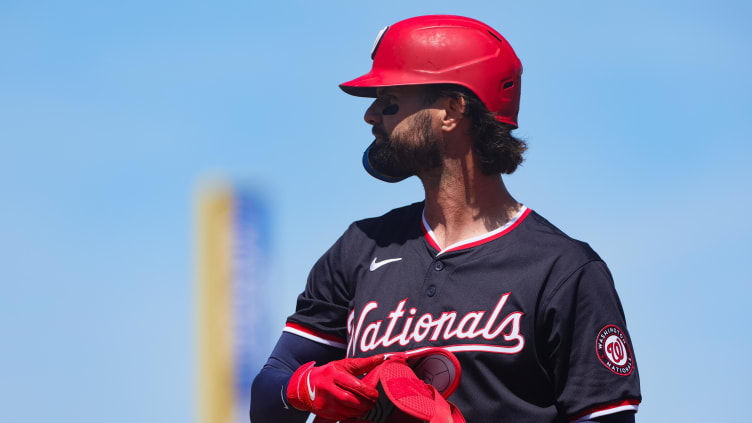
pixel 379 132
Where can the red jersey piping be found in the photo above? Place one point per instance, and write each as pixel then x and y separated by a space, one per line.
pixel 314 335
pixel 604 410
pixel 475 241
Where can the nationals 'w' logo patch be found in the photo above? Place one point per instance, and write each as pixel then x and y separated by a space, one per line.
pixel 613 350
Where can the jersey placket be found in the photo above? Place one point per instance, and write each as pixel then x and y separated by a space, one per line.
pixel 437 279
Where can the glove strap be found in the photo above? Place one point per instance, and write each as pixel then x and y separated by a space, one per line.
pixel 298 388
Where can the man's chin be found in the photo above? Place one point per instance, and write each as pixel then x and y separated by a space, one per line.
pixel 379 141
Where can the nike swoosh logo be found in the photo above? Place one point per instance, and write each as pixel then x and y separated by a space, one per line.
pixel 282 394
pixel 311 393
pixel 375 265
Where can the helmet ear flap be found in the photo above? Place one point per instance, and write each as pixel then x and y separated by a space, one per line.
pixel 404 394
pixel 377 173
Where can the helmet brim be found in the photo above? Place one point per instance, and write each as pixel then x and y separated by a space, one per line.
pixel 366 85
pixel 358 91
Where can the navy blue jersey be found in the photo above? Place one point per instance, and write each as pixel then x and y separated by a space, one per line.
pixel 532 314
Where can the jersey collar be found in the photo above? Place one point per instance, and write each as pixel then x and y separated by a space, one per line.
pixel 477 240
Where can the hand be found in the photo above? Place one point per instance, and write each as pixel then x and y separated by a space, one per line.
pixel 333 391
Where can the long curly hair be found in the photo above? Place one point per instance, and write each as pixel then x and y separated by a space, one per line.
pixel 497 150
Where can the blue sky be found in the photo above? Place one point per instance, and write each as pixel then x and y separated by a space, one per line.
pixel 112 116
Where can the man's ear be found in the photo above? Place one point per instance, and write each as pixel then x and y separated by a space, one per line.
pixel 454 109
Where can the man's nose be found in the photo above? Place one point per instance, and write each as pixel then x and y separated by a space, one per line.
pixel 372 116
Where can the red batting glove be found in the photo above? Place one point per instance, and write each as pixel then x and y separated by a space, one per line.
pixel 333 391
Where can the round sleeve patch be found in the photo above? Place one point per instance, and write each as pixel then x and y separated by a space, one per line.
pixel 613 350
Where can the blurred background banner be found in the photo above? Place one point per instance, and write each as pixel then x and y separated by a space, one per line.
pixel 233 246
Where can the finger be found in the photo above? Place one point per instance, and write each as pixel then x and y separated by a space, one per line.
pixel 352 384
pixel 347 397
pixel 358 366
pixel 352 404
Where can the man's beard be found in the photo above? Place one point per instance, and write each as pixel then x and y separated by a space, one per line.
pixel 404 155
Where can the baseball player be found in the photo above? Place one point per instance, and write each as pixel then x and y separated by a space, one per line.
pixel 531 314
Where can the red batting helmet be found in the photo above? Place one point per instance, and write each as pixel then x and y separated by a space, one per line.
pixel 445 49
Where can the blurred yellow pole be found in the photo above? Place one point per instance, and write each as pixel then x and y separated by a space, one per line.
pixel 215 210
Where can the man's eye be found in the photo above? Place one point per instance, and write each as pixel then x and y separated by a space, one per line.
pixel 390 109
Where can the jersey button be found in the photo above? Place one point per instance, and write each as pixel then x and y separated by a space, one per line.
pixel 431 291
pixel 438 266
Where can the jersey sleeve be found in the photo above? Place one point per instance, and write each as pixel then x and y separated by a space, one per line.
pixel 321 311
pixel 587 349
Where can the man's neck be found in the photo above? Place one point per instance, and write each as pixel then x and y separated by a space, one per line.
pixel 461 205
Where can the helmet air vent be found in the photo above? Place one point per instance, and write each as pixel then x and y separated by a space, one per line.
pixel 495 36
